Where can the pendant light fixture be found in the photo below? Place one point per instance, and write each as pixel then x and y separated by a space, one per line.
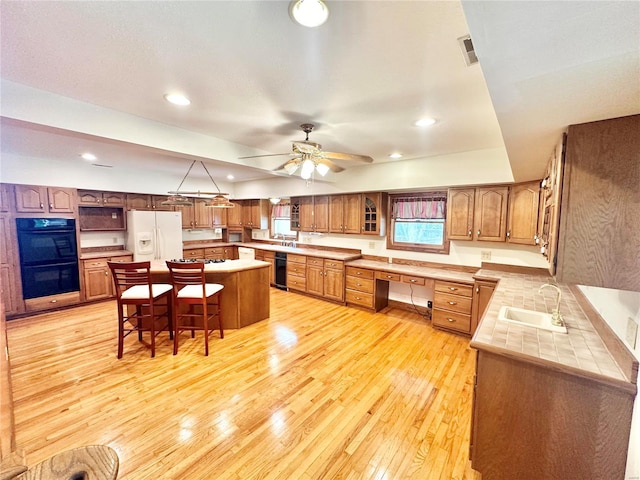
pixel 177 197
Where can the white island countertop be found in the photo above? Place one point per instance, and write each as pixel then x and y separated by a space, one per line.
pixel 227 266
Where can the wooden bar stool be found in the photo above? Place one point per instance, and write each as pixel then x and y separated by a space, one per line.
pixel 134 289
pixel 190 288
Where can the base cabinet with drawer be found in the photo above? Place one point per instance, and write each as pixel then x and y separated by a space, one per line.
pixel 362 289
pixel 98 282
pixel 452 306
pixel 325 278
pixel 297 272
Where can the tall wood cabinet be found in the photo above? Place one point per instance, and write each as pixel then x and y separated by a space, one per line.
pixel 255 213
pixel 599 233
pixel 234 215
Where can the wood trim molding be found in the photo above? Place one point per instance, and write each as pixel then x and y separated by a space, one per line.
pixel 441 266
pixel 515 269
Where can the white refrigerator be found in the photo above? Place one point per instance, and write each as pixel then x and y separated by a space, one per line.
pixel 154 235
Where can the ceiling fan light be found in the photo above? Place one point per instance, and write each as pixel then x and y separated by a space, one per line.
pixel 309 13
pixel 307 169
pixel 291 167
pixel 274 200
pixel 322 169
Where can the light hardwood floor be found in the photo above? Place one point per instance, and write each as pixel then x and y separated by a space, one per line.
pixel 317 391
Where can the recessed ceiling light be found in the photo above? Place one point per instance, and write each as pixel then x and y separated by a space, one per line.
pixel 177 99
pixel 230 177
pixel 425 122
pixel 309 13
pixel 395 155
pixel 89 156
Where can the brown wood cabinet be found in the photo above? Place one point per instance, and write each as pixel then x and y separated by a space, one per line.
pixel 531 422
pixel 345 213
pixel 142 201
pixel 314 213
pixel 38 199
pixel 234 215
pixel 297 272
pixel 325 278
pixel 363 290
pixel 482 293
pixel 268 256
pixel 92 198
pixel 218 217
pixel 255 213
pixel 98 282
pixel 197 215
pixel 599 233
pixel 10 290
pixel 5 197
pixel 374 207
pixel 481 216
pixel 524 205
pixel 452 306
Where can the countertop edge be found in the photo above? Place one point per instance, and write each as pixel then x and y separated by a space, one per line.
pixel 625 385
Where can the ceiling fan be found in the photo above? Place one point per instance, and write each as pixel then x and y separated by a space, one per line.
pixel 309 156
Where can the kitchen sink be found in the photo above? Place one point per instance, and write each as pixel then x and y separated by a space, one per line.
pixel 529 318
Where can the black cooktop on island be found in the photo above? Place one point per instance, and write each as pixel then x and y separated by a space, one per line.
pixel 198 260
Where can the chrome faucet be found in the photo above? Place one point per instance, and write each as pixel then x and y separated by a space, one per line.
pixel 556 317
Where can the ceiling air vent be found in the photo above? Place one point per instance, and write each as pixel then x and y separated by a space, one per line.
pixel 468 52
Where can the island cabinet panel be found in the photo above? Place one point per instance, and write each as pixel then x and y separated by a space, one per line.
pixel 38 199
pixel 533 422
pixel 524 205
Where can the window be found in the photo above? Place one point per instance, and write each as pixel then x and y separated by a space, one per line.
pixel 281 221
pixel 418 222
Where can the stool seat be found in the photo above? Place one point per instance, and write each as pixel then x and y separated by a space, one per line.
pixel 195 291
pixel 142 291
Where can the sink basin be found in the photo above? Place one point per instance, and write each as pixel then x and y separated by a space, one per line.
pixel 529 318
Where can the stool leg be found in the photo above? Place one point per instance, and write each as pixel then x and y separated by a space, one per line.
pixel 205 327
pixel 152 329
pixel 120 331
pixel 220 314
pixel 176 325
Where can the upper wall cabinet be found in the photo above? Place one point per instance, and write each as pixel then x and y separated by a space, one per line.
pixel 235 215
pixel 524 203
pixel 478 213
pixel 599 233
pixel 314 214
pixel 37 199
pixel 92 198
pixel 345 213
pixel 374 207
pixel 255 213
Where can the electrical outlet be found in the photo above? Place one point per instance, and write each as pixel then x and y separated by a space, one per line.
pixel 485 255
pixel 114 215
pixel 372 245
pixel 115 240
pixel 632 332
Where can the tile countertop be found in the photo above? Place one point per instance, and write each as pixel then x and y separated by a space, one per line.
pixel 104 254
pixel 427 272
pixel 309 252
pixel 580 351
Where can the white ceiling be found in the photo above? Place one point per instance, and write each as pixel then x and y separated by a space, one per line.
pixel 363 78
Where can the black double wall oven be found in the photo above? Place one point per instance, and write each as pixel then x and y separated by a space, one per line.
pixel 48 256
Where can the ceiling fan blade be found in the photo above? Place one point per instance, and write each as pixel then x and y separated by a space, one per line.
pixel 288 162
pixel 332 166
pixel 306 147
pixel 347 156
pixel 269 155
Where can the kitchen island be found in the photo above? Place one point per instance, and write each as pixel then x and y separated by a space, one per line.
pixel 245 297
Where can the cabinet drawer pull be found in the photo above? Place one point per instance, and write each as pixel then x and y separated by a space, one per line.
pixel 413 280
pixel 54 301
pixel 51 205
pixel 452 303
pixel 389 276
pixel 41 205
pixel 106 274
pixel 451 320
pixel 453 289
pixel 358 298
pixel 358 284
pixel 470 233
pixel 358 273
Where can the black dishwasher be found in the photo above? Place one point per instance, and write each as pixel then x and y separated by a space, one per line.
pixel 281 270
